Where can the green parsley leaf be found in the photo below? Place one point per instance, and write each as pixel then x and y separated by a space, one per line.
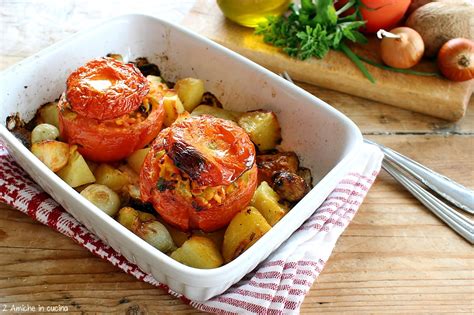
pixel 325 13
pixel 313 28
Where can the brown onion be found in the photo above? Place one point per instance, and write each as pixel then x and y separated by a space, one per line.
pixel 402 47
pixel 456 59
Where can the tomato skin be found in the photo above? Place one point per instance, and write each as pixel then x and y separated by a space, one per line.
pixel 105 88
pixel 383 14
pixel 180 212
pixel 379 14
pixel 105 141
pixel 212 151
pixel 456 59
pixel 181 209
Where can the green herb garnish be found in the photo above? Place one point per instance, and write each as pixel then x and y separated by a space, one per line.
pixel 315 27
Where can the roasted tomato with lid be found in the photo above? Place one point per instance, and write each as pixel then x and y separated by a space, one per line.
pixel 108 110
pixel 199 173
pixel 106 88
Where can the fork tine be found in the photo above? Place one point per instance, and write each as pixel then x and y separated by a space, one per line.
pixel 451 217
pixel 451 191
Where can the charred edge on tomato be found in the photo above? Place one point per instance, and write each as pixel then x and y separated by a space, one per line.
pixel 187 159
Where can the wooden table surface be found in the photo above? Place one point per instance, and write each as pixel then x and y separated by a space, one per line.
pixel 395 257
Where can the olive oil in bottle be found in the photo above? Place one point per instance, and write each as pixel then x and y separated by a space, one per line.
pixel 251 12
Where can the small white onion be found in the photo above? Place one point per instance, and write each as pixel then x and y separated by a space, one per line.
pixel 44 132
pixel 103 197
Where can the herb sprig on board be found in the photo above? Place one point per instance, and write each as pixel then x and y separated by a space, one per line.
pixel 313 28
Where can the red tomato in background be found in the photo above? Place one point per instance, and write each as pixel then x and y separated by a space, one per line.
pixel 380 14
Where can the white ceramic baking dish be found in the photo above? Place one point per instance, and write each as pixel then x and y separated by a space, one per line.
pixel 325 140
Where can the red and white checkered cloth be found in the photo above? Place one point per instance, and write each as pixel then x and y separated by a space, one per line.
pixel 278 285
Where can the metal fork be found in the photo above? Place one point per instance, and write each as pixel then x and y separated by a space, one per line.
pixel 407 171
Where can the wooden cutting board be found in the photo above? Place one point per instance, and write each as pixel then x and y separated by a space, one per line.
pixel 429 95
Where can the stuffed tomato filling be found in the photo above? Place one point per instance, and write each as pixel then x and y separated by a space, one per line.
pixel 111 139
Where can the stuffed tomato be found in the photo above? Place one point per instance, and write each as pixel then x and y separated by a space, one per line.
pixel 199 173
pixel 107 110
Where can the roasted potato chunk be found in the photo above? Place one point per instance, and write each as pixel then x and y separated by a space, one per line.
pixel 242 232
pixel 110 177
pixel 289 186
pixel 76 172
pixel 265 200
pixel 54 154
pixel 190 92
pixel 136 159
pixel 263 128
pixel 173 107
pixel 133 177
pixel 216 112
pixel 48 114
pixel 269 164
pixel 157 85
pixel 217 236
pixel 198 252
pixel 92 165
